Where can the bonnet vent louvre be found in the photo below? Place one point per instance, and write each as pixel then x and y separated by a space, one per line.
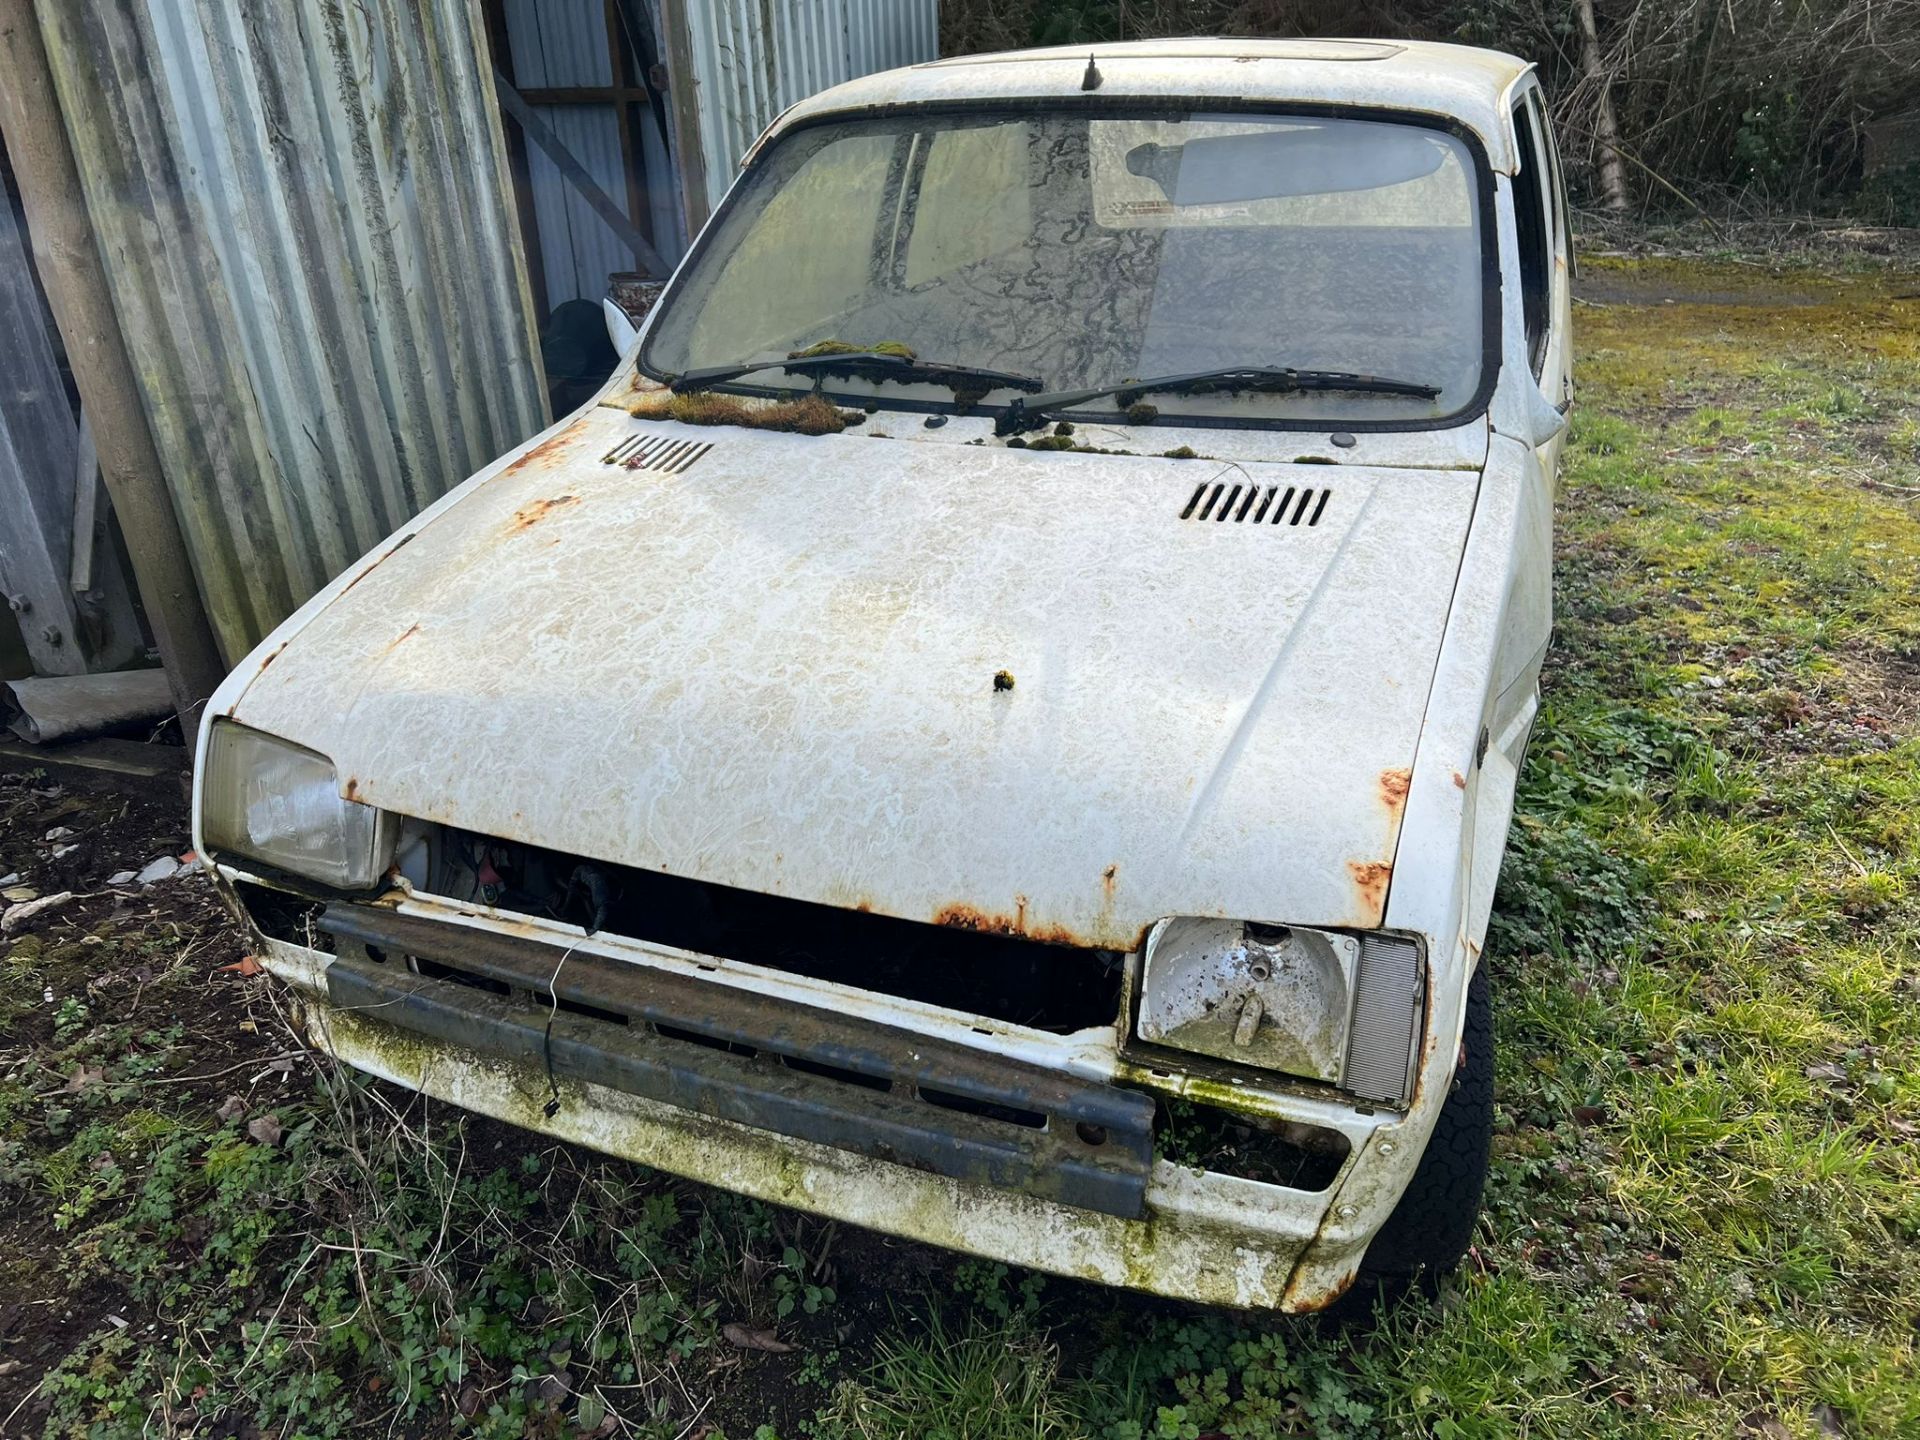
pixel 1257 504
pixel 664 453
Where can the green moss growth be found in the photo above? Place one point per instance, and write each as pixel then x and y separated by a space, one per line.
pixel 811 415
pixel 843 347
pixel 1141 413
pixel 1180 452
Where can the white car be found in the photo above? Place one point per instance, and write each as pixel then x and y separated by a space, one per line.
pixel 1000 723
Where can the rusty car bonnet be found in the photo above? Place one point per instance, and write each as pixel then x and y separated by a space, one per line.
pixel 780 668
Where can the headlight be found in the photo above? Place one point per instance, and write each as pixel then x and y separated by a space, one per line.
pixel 1313 1003
pixel 268 800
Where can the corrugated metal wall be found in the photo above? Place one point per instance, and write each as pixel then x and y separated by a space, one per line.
pixel 310 237
pixel 753 58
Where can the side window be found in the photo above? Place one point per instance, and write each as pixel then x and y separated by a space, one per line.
pixel 1533 214
pixel 1557 191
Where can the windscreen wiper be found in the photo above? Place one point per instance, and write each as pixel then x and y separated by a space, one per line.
pixel 1024 414
pixel 878 363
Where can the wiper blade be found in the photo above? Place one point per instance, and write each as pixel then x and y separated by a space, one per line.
pixel 853 362
pixel 1269 379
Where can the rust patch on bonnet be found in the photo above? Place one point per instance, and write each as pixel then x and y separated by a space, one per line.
pixel 406 634
pixel 548 450
pixel 1371 878
pixel 352 791
pixel 1459 781
pixel 532 513
pixel 1393 788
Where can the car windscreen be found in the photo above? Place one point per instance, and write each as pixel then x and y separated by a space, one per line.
pixel 1086 247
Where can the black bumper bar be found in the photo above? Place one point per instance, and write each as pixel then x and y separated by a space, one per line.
pixel 738 1055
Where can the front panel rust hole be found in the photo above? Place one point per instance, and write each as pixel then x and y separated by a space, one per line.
pixel 964 966
pixel 1249 1147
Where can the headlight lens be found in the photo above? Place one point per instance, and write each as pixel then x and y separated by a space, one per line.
pixel 272 801
pixel 1313 1003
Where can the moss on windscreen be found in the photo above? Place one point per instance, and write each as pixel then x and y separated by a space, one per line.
pixel 843 347
pixel 810 415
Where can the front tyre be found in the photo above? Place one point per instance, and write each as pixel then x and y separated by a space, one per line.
pixel 1432 1226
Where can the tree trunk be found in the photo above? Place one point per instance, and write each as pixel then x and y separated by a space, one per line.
pixel 1606 128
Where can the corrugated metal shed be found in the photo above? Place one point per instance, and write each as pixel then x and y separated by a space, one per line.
pixel 750 59
pixel 309 234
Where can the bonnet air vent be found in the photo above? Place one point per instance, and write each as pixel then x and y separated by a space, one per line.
pixel 1257 504
pixel 656 452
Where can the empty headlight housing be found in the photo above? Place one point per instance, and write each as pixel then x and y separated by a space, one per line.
pixel 268 800
pixel 1318 1004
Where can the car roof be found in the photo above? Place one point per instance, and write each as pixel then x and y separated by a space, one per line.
pixel 1457 82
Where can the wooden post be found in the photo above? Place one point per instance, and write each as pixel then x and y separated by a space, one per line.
pixel 68 260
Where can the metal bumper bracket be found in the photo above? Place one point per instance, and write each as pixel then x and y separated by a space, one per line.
pixel 734 1054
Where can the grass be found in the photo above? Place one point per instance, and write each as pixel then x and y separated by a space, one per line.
pixel 1704 1214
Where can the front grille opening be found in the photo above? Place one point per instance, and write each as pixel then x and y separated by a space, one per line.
pixel 1249 1147
pixel 711 1042
pixel 434 970
pixel 838 1072
pixel 280 916
pixel 1059 988
pixel 586 1012
pixel 985 1109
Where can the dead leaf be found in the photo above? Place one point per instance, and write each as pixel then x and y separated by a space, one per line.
pixel 246 965
pixel 1759 1422
pixel 467 1402
pixel 265 1129
pixel 9 1367
pixel 1828 1419
pixel 747 1338
pixel 1589 1114
pixel 232 1108
pixel 83 1076
pixel 1826 1070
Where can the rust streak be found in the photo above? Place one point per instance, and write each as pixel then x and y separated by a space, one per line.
pixel 1393 789
pixel 547 450
pixel 532 513
pixel 408 633
pixel 1459 781
pixel 967 917
pixel 1109 878
pixel 1371 878
pixel 1310 1301
pixel 352 792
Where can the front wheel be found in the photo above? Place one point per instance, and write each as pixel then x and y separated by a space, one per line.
pixel 1432 1226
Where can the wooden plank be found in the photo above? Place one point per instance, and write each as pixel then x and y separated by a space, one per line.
pixel 536 130
pixel 146 769
pixel 86 510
